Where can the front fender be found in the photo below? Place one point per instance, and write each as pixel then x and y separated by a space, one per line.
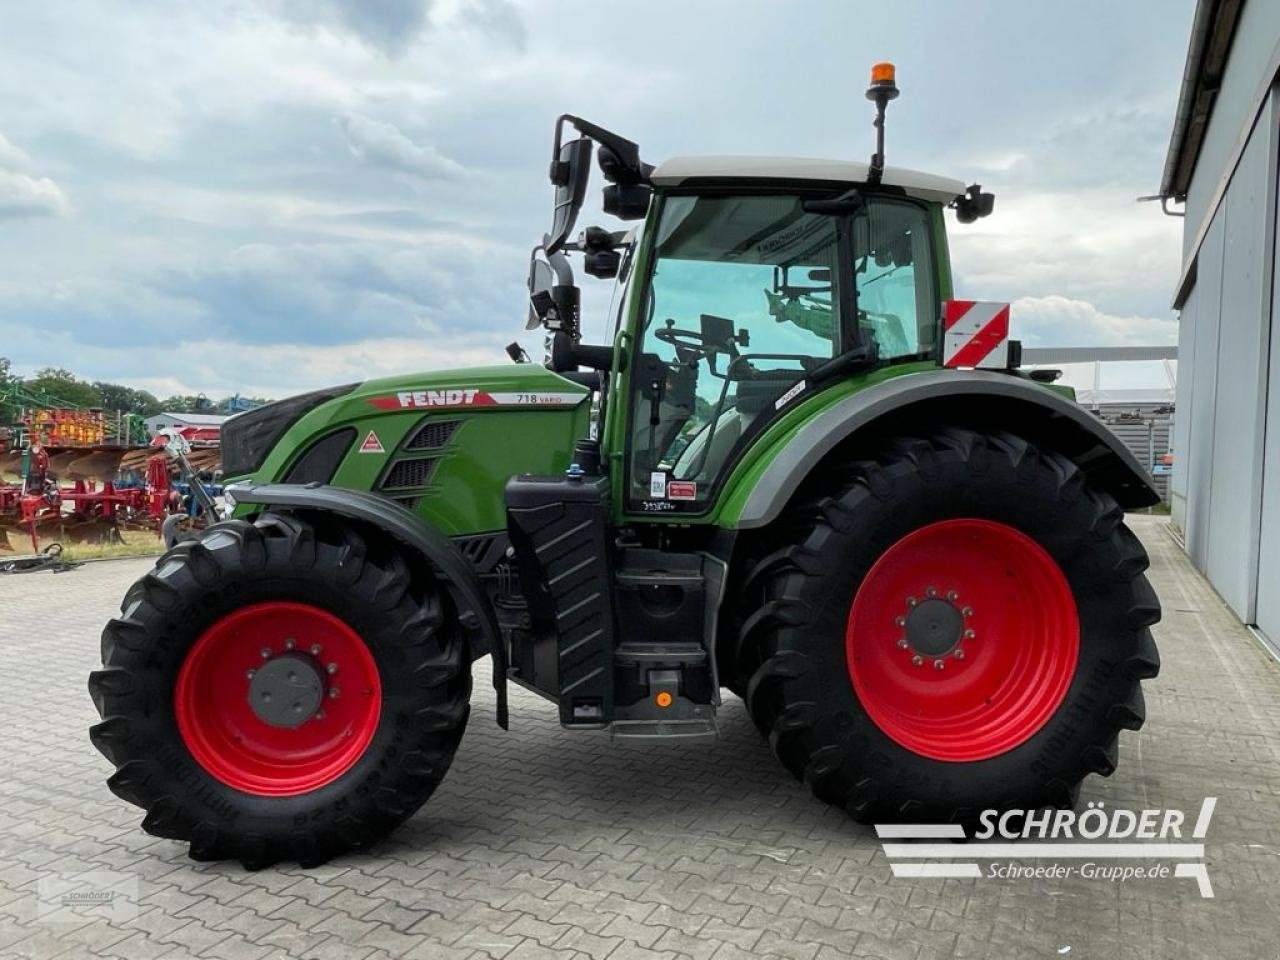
pixel 452 568
pixel 961 397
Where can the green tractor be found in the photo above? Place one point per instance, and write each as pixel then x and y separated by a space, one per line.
pixel 801 471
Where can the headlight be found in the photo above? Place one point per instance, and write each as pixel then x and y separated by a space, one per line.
pixel 248 437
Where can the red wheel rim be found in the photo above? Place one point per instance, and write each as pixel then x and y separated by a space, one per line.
pixel 230 739
pixel 1008 608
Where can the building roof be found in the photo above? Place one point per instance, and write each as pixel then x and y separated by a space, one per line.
pixel 194 419
pixel 926 186
pixel 1212 31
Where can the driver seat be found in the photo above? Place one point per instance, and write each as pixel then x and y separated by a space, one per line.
pixel 729 428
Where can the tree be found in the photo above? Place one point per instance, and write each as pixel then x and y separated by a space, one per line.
pixel 114 396
pixel 63 387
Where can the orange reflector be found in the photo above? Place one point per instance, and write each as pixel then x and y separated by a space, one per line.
pixel 882 73
pixel 663 699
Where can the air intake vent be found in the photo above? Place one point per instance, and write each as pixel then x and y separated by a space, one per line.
pixel 432 435
pixel 410 473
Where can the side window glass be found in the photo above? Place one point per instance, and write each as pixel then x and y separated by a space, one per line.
pixel 898 305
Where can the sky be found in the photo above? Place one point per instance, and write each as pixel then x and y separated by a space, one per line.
pixel 266 196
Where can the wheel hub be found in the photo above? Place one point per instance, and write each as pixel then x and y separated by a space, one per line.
pixel 934 627
pixel 288 690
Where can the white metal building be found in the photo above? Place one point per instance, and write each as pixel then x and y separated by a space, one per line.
pixel 1224 162
pixel 162 421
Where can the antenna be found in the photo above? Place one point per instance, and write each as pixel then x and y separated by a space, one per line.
pixel 881 91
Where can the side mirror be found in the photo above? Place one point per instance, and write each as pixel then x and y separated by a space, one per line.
pixel 569 174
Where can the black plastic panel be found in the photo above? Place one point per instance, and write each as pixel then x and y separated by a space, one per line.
pixel 319 461
pixel 557 527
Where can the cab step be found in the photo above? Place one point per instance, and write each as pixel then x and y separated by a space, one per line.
pixel 673 653
pixel 693 729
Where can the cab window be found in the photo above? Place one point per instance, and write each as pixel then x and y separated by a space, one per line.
pixel 898 303
pixel 741 303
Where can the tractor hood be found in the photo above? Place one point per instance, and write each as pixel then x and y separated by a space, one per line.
pixel 442 443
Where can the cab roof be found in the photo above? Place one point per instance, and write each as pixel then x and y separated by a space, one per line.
pixel 680 170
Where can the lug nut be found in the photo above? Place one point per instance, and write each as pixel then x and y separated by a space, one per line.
pixel 938 664
pixel 931 592
pixel 967 611
pixel 333 693
pixel 917 660
pixel 900 621
pixel 911 601
pixel 315 649
pixel 902 643
pixel 288 644
pixel 248 674
pixel 266 653
pixel 319 714
pixel 959 654
pixel 969 634
pixel 332 668
pixel 952 596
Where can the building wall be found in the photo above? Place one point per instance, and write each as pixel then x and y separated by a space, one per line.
pixel 1252 51
pixel 1226 340
pixel 1268 581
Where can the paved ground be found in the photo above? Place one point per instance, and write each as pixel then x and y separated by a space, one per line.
pixel 544 845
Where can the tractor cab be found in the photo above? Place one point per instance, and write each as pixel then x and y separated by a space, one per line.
pixel 753 281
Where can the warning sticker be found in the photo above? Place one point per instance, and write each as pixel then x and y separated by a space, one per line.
pixel 372 444
pixel 682 490
pixel 657 484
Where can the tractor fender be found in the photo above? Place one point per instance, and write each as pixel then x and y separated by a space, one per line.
pixel 973 398
pixel 453 569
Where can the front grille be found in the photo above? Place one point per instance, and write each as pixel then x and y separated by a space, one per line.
pixel 410 473
pixel 432 435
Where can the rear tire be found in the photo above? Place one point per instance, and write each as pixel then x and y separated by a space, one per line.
pixel 191 748
pixel 1016 723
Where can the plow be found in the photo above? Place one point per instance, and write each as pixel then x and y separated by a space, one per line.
pixel 90 493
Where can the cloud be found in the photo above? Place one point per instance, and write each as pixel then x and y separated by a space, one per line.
pixel 225 366
pixel 393 27
pixel 1056 321
pixel 22 192
pixel 382 144
pixel 390 26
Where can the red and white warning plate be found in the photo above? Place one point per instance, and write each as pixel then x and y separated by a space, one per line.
pixel 975 334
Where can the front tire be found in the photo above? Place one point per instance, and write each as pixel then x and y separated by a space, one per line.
pixel 280 690
pixel 962 626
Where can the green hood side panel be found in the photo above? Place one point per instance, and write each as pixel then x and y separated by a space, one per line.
pixel 511 419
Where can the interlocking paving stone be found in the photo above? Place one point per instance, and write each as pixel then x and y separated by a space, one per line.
pixel 549 845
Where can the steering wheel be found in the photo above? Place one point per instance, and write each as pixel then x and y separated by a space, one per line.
pixel 690 341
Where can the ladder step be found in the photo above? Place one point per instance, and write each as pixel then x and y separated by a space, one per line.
pixel 658 578
pixel 666 729
pixel 660 653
